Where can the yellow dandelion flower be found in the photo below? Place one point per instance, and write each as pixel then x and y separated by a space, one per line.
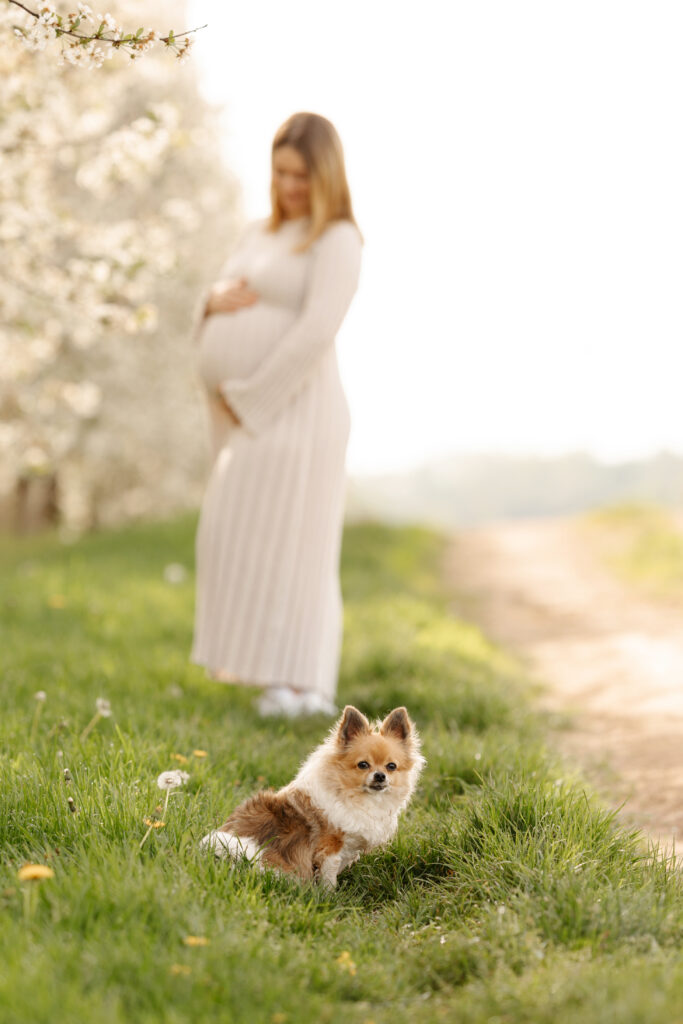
pixel 278 1018
pixel 196 940
pixel 34 872
pixel 346 963
pixel 56 601
pixel 180 758
pixel 200 753
pixel 154 824
pixel 180 969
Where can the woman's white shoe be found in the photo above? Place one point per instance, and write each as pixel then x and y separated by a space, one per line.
pixel 281 700
pixel 314 704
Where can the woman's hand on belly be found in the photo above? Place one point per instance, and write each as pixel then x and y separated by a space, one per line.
pixel 229 296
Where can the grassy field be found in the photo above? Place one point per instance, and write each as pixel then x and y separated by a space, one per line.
pixel 644 545
pixel 507 896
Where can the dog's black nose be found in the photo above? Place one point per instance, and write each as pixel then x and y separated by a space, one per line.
pixel 379 776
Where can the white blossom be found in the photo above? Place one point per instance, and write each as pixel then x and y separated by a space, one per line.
pixel 84 398
pixel 185 51
pixel 35 458
pixel 47 12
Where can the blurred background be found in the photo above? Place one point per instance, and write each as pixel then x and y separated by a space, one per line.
pixel 514 346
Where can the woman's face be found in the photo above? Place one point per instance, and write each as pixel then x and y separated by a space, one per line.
pixel 292 181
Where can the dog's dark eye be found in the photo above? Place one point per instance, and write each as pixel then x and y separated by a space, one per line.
pixel 363 764
pixel 391 767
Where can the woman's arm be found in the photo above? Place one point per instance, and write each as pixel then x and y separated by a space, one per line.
pixel 334 275
pixel 231 265
pixel 199 313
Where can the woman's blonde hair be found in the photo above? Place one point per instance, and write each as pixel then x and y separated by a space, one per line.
pixel 316 140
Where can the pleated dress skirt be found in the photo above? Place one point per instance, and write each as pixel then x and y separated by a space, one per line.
pixel 269 606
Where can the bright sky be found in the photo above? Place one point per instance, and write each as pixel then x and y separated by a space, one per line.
pixel 517 172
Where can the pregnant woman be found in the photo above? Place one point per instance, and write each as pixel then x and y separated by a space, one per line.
pixel 268 608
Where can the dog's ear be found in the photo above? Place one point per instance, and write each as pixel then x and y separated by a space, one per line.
pixel 397 724
pixel 352 724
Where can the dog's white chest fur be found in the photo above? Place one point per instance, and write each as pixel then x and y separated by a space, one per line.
pixel 368 820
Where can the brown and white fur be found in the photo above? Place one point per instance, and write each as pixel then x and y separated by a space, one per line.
pixel 345 800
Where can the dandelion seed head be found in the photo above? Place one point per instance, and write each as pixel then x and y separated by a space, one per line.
pixel 40 696
pixel 175 573
pixel 103 707
pixel 172 779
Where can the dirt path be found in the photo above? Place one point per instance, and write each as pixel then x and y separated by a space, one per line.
pixel 610 659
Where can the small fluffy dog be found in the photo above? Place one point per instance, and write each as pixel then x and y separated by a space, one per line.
pixel 345 800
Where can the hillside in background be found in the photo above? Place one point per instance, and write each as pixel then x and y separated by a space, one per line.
pixel 470 489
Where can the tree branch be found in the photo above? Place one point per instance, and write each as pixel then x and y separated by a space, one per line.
pixel 123 40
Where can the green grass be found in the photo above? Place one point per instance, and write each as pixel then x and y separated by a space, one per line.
pixel 508 894
pixel 643 544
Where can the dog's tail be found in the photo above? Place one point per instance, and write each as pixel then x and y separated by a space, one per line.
pixel 227 844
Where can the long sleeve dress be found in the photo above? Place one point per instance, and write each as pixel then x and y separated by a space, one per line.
pixel 268 601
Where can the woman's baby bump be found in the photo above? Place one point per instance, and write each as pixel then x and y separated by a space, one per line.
pixel 233 344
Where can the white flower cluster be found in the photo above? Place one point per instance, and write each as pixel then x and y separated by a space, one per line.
pixel 90 49
pixel 132 153
pixel 185 50
pixel 68 275
pixel 43 29
pixel 87 55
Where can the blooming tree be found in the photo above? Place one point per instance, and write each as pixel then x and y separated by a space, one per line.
pixel 114 212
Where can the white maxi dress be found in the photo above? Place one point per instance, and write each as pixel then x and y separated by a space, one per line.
pixel 268 599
